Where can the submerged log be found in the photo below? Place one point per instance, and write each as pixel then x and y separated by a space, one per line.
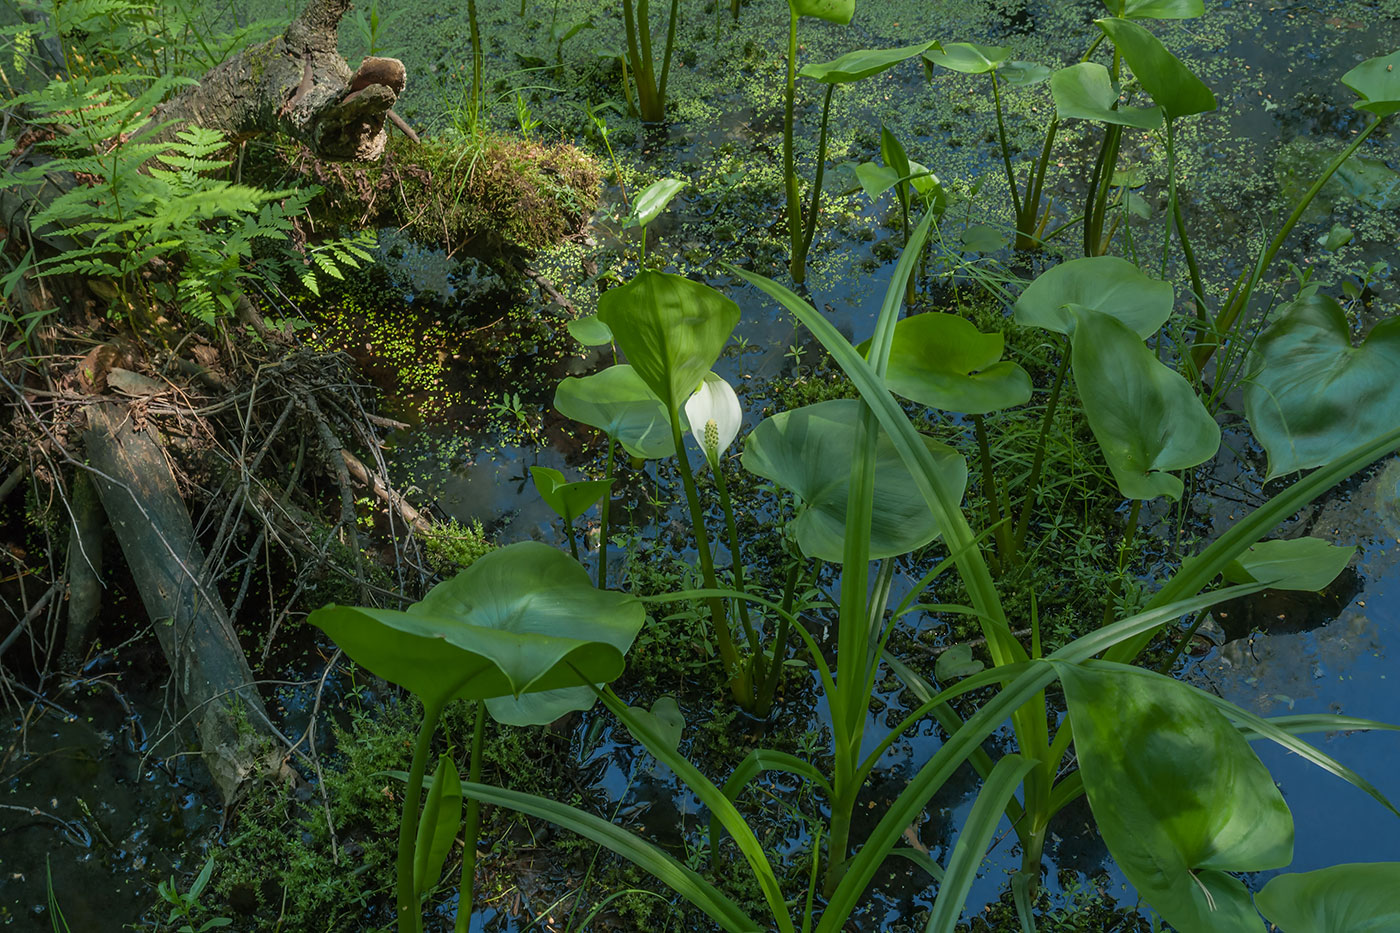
pixel 152 526
pixel 84 570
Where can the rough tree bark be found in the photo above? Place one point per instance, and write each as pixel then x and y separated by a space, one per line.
pixel 297 85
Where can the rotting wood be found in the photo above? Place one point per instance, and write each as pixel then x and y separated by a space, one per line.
pixel 362 475
pixel 84 569
pixel 151 524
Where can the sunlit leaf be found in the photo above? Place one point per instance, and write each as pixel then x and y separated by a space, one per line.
pixel 1377 81
pixel 967 57
pixel 617 402
pixel 1171 84
pixel 1159 9
pixel 1085 91
pixel 833 11
pixel 650 203
pixel 671 329
pixel 568 500
pixel 943 361
pixel 862 63
pixel 590 331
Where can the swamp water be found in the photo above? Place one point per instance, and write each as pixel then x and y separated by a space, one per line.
pixel 1274 68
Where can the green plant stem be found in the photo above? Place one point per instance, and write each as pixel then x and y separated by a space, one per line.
pixel 471 826
pixel 573 539
pixel 1023 522
pixel 989 489
pixel 603 519
pixel 1238 301
pixel 1170 660
pixel 1115 586
pixel 1005 148
pixel 809 232
pixel 1176 220
pixel 760 667
pixel 769 689
pixel 666 61
pixel 1028 222
pixel 410 916
pixel 478 59
pixel 724 642
pixel 1099 185
pixel 797 266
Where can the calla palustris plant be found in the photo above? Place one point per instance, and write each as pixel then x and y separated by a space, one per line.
pixel 1310 393
pixel 1177 793
pixel 522 631
pixel 847 69
pixel 995 62
pixel 1376 83
pixel 649 205
pixel 568 500
pixel 672 330
pixel 1360 897
pixel 808 450
pixel 1303 564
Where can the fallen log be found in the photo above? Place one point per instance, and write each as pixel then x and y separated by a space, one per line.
pixel 151 524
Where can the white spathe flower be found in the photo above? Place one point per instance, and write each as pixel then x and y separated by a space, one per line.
pixel 714 415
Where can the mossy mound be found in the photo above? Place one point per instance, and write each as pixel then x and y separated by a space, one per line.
pixel 498 195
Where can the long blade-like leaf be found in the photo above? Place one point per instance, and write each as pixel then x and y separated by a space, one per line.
pixel 755 763
pixel 973 839
pixel 646 856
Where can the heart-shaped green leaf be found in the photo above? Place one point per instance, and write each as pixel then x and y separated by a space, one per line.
pixel 833 11
pixel 982 238
pixel 943 361
pixel 808 452
pixel 1085 92
pixel 1102 283
pixel 650 203
pixel 671 329
pixel 1022 74
pixel 437 826
pixel 1178 795
pixel 1171 84
pixel 568 500
pixel 956 663
pixel 862 63
pixel 967 57
pixel 1159 9
pixel 617 402
pixel 1145 416
pixel 665 720
pixel 521 619
pixel 1308 564
pixel 1377 81
pixel 1362 897
pixel 590 331
pixel 1311 393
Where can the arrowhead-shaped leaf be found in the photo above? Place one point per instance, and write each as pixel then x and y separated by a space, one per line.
pixel 1085 91
pixel 943 361
pixel 1178 795
pixel 1171 84
pixel 617 402
pixel 568 500
pixel 521 619
pixel 671 329
pixel 1308 564
pixel 1102 283
pixel 1377 81
pixel 1312 393
pixel 808 452
pixel 650 203
pixel 1160 9
pixel 1361 897
pixel 862 63
pixel 967 57
pixel 1145 416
